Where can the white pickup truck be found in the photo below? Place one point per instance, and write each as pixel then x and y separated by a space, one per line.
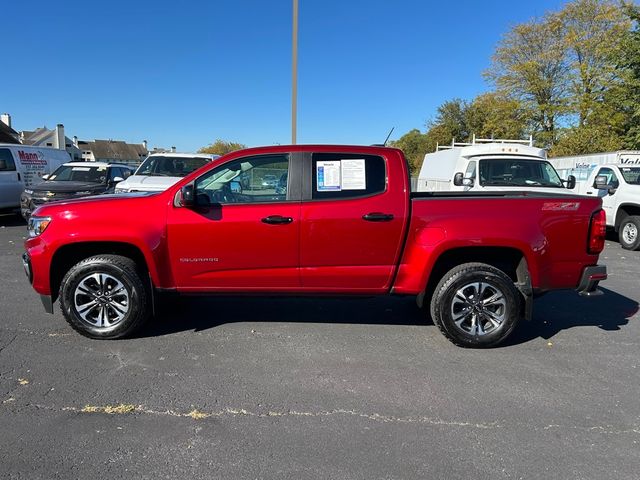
pixel 615 177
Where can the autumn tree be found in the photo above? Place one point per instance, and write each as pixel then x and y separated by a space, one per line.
pixel 414 145
pixel 494 115
pixel 222 147
pixel 593 33
pixel 529 65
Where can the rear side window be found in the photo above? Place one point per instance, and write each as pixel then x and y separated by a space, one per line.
pixel 6 161
pixel 347 175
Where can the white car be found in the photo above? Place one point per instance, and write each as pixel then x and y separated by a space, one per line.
pixel 161 170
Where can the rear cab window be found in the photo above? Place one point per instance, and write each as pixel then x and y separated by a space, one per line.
pixel 347 175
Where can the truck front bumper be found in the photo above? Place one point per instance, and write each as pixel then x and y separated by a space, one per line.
pixel 591 276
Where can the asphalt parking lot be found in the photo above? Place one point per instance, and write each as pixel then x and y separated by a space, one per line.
pixel 320 388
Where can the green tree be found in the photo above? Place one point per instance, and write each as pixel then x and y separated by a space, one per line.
pixel 593 33
pixel 529 65
pixel 222 147
pixel 414 144
pixel 494 115
pixel 586 139
pixel 626 96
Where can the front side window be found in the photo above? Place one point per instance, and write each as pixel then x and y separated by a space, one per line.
pixel 612 180
pixel 260 179
pixel 6 161
pixel 347 175
pixel 471 170
pixel 514 172
pixel 170 166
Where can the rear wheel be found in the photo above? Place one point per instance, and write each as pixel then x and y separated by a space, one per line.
pixel 476 305
pixel 629 233
pixel 104 297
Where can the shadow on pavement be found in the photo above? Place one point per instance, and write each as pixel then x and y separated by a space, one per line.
pixel 563 310
pixel 553 313
pixel 11 220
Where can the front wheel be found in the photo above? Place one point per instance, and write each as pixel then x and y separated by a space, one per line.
pixel 104 297
pixel 629 233
pixel 476 305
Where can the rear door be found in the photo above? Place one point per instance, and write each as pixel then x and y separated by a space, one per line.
pixel 10 180
pixel 354 213
pixel 247 238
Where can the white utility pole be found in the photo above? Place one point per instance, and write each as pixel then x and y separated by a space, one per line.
pixel 294 75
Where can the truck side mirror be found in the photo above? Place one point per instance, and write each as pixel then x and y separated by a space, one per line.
pixel 117 180
pixel 460 181
pixel 45 176
pixel 187 196
pixel 601 182
pixel 571 182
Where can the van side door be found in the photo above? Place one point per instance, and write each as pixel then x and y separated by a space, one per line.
pixel 11 185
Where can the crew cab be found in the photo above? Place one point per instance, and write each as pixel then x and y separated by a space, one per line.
pixel 346 223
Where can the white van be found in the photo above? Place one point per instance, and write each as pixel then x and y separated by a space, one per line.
pixel 490 165
pixel 22 166
pixel 161 170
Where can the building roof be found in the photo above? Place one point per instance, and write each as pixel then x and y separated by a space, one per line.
pixel 115 149
pixel 8 134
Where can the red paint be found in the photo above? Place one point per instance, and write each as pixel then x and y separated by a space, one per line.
pixel 328 247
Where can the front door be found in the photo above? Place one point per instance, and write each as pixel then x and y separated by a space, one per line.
pixel 244 233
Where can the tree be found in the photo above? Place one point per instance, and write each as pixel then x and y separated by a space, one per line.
pixel 494 115
pixel 593 33
pixel 529 66
pixel 222 147
pixel 626 96
pixel 414 146
pixel 586 139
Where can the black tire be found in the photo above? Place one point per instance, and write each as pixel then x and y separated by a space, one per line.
pixel 629 232
pixel 112 292
pixel 456 295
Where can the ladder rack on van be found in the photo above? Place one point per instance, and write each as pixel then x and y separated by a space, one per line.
pixel 478 141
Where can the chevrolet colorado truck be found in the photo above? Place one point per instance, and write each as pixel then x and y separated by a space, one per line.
pixel 344 223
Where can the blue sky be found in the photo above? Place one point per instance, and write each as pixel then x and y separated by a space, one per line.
pixel 186 73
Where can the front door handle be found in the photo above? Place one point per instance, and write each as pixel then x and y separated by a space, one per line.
pixel 277 220
pixel 378 217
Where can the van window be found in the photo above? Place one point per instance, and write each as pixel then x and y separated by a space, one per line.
pixel 471 170
pixel 516 172
pixel 6 161
pixel 347 175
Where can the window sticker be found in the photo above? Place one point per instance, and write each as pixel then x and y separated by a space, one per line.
pixel 353 174
pixel 328 176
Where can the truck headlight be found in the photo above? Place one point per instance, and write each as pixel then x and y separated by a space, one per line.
pixel 28 192
pixel 37 225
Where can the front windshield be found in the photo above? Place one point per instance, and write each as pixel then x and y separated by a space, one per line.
pixel 89 174
pixel 631 175
pixel 168 166
pixel 517 172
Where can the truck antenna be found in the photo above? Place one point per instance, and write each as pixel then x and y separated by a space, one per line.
pixel 387 139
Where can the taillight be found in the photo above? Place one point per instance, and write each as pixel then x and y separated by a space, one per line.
pixel 597 232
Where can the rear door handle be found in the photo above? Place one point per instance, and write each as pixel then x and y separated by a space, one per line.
pixel 378 217
pixel 277 220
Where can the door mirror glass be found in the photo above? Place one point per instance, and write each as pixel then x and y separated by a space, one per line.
pixel 460 181
pixel 601 182
pixel 187 198
pixel 571 182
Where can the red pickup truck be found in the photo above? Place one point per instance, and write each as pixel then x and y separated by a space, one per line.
pixel 339 220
